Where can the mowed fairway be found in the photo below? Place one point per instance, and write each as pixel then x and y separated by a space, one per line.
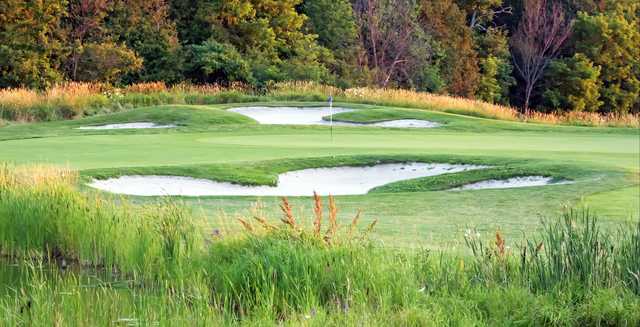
pixel 603 163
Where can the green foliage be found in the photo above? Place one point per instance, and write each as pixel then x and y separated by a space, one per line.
pixel 573 84
pixel 447 23
pixel 334 23
pixel 610 40
pixel 145 27
pixel 213 62
pixel 156 264
pixel 42 214
pixel 496 68
pixel 459 47
pixel 106 62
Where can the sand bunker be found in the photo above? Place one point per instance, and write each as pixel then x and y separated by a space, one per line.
pixel 314 116
pixel 406 123
pixel 289 115
pixel 512 183
pixel 128 126
pixel 335 181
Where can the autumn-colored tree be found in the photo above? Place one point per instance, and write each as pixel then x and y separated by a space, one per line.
pixel 31 42
pixel 446 22
pixel 539 37
pixel 84 23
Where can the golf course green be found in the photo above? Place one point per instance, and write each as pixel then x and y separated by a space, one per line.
pixel 603 164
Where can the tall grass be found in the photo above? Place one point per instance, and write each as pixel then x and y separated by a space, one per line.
pixel 572 250
pixel 451 104
pixel 74 100
pixel 160 264
pixel 43 215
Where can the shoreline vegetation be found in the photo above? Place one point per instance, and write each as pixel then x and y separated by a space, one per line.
pixel 83 259
pixel 77 100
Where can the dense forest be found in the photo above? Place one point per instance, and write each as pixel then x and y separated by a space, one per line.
pixel 545 55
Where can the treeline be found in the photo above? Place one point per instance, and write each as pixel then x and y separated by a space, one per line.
pixel 547 55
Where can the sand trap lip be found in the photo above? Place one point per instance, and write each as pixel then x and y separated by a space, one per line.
pixel 336 181
pixel 314 116
pixel 128 126
pixel 514 182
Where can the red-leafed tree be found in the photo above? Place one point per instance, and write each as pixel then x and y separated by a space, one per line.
pixel 538 39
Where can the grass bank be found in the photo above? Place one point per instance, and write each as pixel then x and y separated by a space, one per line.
pixel 83 260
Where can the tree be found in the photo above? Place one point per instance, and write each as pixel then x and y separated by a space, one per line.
pixel 145 27
pixel 268 35
pixel 387 29
pixel 335 24
pixel 213 62
pixel 105 62
pixel 572 84
pixel 610 40
pixel 85 23
pixel 31 43
pixel 482 12
pixel 445 22
pixel 496 68
pixel 539 37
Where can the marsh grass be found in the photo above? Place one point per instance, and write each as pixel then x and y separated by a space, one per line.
pixel 573 251
pixel 88 261
pixel 43 215
pixel 74 100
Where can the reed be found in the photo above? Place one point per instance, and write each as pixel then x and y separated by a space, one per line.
pixel 89 261
pixel 73 100
pixel 42 215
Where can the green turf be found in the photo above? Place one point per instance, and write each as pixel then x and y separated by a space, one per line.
pixel 213 143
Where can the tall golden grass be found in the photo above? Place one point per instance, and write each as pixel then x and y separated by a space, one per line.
pixel 71 100
pixel 452 104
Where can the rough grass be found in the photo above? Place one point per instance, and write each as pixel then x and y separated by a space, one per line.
pixel 76 100
pixel 311 272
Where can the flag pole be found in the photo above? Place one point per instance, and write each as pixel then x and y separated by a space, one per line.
pixel 331 116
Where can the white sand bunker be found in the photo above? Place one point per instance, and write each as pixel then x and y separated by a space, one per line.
pixel 512 183
pixel 128 126
pixel 335 181
pixel 314 116
pixel 290 115
pixel 407 123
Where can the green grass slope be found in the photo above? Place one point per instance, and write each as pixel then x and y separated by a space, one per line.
pixel 213 143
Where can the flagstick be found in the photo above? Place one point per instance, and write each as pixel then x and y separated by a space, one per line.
pixel 331 119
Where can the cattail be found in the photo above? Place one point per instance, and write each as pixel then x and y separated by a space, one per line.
pixel 288 213
pixel 247 226
pixel 317 210
pixel 354 223
pixel 333 217
pixel 500 243
pixel 264 223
